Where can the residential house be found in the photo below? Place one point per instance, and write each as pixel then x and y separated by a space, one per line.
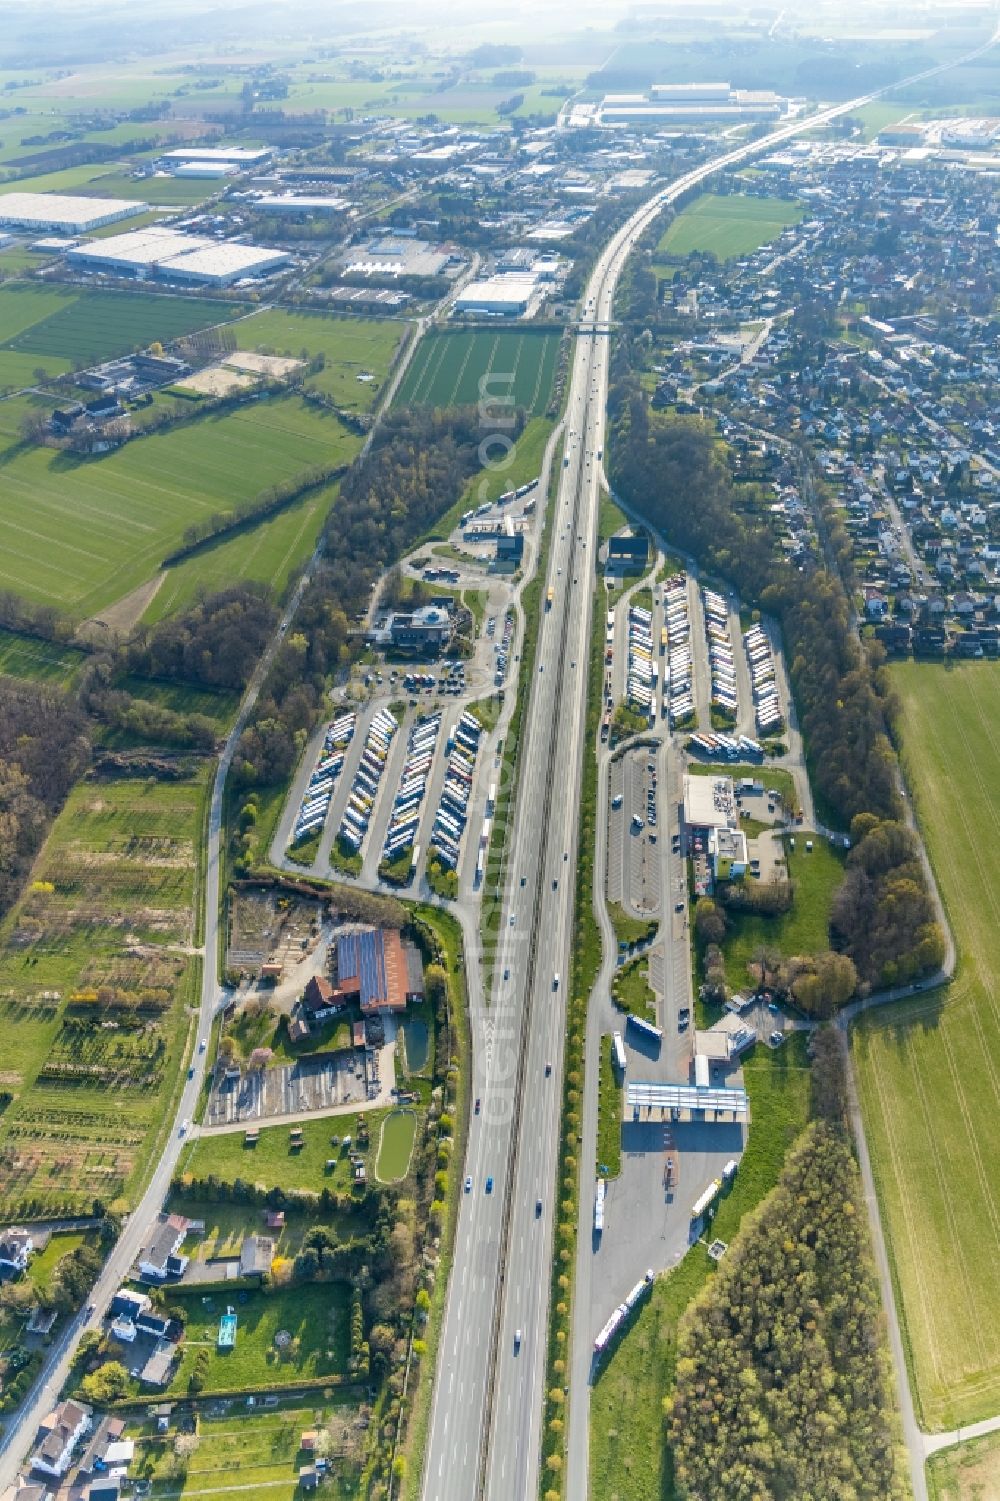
pixel 16 1246
pixel 161 1258
pixel 59 1435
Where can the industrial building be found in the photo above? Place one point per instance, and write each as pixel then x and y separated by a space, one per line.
pixel 498 296
pixel 690 101
pixel 68 214
pixel 205 169
pixel 300 203
pixel 174 256
pixel 388 257
pixel 235 156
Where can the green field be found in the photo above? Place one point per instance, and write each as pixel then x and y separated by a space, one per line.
pixel 245 1449
pixel 103 928
pixel 629 1460
pixel 56 330
pixel 802 930
pixel 276 1163
pixel 268 553
pixel 450 365
pixel 25 657
pixel 353 348
pixel 81 533
pixel 728 226
pixel 929 1068
pixel 967 1472
pixel 316 1317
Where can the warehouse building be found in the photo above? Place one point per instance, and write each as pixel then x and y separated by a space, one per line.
pixel 690 101
pixel 205 169
pixel 65 213
pixel 173 256
pixel 498 296
pixel 300 203
pixel 234 156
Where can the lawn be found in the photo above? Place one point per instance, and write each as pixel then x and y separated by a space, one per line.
pixel 226 1226
pixel 631 989
pixel 56 329
pixel 352 348
pixel 929 1068
pixel 455 367
pixel 396 1145
pixel 81 533
pixel 804 929
pixel 629 1460
pixel 275 1162
pixel 95 978
pixel 317 1317
pixel 968 1472
pixel 728 226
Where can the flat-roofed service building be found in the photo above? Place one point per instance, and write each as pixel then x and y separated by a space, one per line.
pixel 502 296
pixel 66 213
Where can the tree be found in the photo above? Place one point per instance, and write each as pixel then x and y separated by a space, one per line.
pixel 107 1384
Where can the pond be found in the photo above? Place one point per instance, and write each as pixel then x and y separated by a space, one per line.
pixel 396 1144
pixel 417 1041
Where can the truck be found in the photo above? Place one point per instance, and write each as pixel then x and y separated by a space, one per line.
pixel 550 595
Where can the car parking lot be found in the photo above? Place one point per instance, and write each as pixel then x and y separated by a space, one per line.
pixel 634 863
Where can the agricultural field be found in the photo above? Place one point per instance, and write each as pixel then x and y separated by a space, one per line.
pixel 451 365
pixel 269 552
pixel 358 351
pixel 57 330
pixel 81 533
pixel 929 1067
pixel 316 1316
pixel 967 1472
pixel 728 226
pixel 629 1460
pixel 95 975
pixel 235 1448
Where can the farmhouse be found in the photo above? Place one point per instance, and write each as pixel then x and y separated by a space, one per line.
pixel 321 1001
pixel 373 964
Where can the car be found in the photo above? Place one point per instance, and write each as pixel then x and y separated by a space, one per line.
pixel 548 1069
pixel 555 980
pixel 513 919
pixel 506 974
pixel 773 1007
pixel 182 1128
pixel 517 1340
pixel 538 1208
pixel 523 879
pixel 555 883
pixel 616 801
pixel 468 1185
pixel 191 1072
pixel 478 1104
pixel 679 906
pixel 489 1185
pixel 202 1045
pixel 776 1038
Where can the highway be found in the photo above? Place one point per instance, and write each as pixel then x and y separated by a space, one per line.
pixel 485 1431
